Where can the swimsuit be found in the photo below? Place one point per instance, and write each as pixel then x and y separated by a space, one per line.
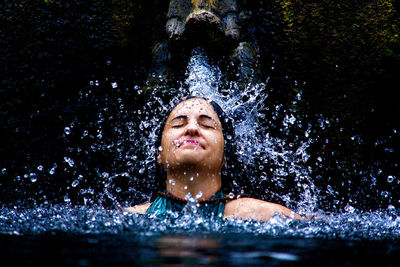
pixel 165 204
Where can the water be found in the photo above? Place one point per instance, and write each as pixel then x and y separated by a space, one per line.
pixel 195 249
pixel 315 135
pixel 256 148
pixel 351 225
pixel 108 156
pixel 108 161
pixel 96 236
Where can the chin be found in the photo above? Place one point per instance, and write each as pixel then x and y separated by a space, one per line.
pixel 193 160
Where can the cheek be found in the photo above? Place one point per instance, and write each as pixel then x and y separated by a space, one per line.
pixel 222 145
pixel 218 143
pixel 167 144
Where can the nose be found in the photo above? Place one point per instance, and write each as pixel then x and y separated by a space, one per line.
pixel 192 129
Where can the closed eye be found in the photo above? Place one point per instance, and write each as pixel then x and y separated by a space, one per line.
pixel 208 126
pixel 178 121
pixel 204 121
pixel 207 122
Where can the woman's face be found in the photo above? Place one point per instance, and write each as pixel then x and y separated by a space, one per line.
pixel 192 136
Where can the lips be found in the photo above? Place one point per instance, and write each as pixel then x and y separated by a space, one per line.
pixel 191 143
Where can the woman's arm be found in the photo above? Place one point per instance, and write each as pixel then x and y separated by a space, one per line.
pixel 251 208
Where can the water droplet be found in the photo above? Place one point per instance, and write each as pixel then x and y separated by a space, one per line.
pixel 3 171
pixel 67 130
pixel 199 195
pixel 160 148
pixel 390 178
pixel 176 142
pixel 391 208
pixel 385 194
pixel 141 171
pixel 231 195
pixel 172 181
pixel 67 199
pixel 40 167
pixel 70 161
pixel 33 177
pixel 75 183
pixel 52 170
pixel 349 208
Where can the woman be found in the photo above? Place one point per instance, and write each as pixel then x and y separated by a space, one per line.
pixel 192 155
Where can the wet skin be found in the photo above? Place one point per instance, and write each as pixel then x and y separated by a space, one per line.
pixel 193 137
pixel 192 149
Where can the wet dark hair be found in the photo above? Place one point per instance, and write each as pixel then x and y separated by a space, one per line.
pixel 228 173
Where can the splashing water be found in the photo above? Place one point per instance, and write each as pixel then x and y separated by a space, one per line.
pixel 352 225
pixel 110 155
pixel 252 139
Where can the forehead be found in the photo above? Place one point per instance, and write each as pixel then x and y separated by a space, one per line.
pixel 194 106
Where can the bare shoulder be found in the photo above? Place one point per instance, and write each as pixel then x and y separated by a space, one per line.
pixel 140 209
pixel 256 209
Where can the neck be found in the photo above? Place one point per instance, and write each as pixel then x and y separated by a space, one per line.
pixel 186 180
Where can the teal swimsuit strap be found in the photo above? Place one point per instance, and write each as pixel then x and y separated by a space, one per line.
pixel 166 203
pixel 219 196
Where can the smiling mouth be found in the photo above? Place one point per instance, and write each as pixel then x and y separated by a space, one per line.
pixel 191 143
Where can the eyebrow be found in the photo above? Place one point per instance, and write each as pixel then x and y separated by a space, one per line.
pixel 179 117
pixel 203 116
